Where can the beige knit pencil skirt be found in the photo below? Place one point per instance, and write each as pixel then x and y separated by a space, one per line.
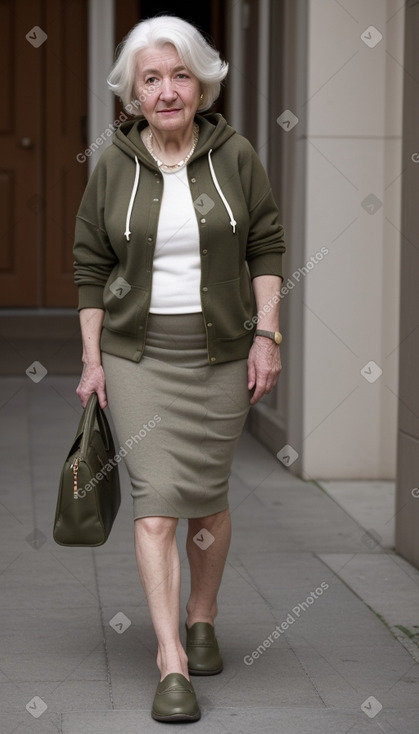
pixel 177 419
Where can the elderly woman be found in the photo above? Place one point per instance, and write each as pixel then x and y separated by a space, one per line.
pixel 178 247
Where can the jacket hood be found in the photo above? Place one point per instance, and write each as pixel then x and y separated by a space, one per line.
pixel 213 132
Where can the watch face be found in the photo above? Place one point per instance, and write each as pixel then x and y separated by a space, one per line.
pixel 278 337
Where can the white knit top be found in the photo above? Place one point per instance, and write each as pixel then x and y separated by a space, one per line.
pixel 177 265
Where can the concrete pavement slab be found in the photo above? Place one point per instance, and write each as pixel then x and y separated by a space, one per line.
pixel 246 637
pixel 118 577
pixel 49 630
pixel 346 676
pixel 385 578
pixel 55 698
pixel 335 617
pixel 40 580
pixel 372 504
pixel 389 585
pixel 278 680
pixel 294 517
pixel 49 667
pixel 24 723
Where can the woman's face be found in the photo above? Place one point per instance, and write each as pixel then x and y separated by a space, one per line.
pixel 168 91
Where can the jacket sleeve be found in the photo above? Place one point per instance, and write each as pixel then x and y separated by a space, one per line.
pixel 94 258
pixel 265 243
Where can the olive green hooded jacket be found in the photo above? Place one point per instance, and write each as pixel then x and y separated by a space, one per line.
pixel 240 237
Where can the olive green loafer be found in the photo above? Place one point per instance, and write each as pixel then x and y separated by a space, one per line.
pixel 204 657
pixel 175 700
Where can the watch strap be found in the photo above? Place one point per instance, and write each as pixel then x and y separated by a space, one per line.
pixel 276 336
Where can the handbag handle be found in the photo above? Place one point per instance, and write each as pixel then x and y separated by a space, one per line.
pixel 93 413
pixel 103 425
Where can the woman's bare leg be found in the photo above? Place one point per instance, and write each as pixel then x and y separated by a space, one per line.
pixel 206 564
pixel 159 569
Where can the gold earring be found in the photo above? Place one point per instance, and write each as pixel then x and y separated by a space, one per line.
pixel 201 97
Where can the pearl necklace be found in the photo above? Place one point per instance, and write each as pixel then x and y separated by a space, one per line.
pixel 148 139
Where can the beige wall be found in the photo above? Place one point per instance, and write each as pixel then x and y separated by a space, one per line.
pixel 344 313
pixel 101 55
pixel 351 311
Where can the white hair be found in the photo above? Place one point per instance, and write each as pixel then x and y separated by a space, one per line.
pixel 196 53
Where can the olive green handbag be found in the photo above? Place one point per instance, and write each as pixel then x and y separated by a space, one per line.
pixel 89 494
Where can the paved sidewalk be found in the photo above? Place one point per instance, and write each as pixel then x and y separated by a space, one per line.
pixel 303 652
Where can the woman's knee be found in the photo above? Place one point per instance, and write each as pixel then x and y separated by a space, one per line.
pixel 210 521
pixel 156 526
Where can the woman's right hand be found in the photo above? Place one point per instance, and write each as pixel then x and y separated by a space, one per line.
pixel 92 380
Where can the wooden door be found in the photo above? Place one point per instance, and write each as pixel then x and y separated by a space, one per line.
pixel 20 152
pixel 43 86
pixel 65 136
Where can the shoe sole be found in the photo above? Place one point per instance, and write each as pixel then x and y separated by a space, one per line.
pixel 205 672
pixel 176 717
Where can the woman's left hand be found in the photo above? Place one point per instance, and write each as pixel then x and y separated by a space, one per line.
pixel 263 367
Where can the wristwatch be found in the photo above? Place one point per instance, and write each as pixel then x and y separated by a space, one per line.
pixel 276 336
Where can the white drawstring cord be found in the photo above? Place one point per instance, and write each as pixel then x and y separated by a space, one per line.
pixel 222 197
pixel 131 201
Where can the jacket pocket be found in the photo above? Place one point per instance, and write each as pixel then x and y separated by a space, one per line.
pixel 232 306
pixel 123 306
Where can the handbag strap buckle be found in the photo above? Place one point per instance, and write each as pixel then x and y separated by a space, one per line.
pixel 75 467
